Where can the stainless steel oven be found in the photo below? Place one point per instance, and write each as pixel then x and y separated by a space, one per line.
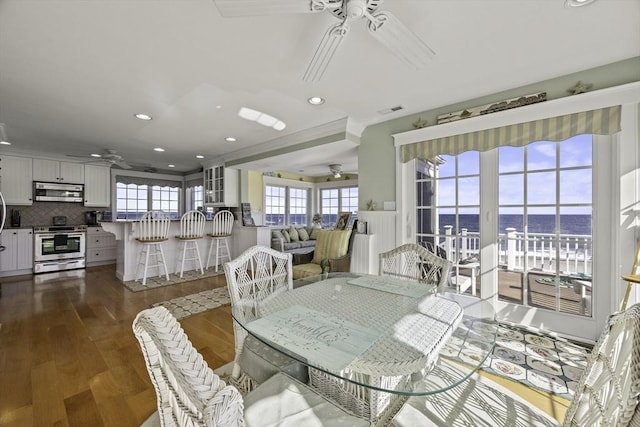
pixel 59 248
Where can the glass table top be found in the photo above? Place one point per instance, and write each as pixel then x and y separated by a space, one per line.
pixel 378 332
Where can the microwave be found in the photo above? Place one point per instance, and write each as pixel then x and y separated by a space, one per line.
pixel 57 192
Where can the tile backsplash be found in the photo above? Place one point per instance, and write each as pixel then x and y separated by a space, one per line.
pixel 42 213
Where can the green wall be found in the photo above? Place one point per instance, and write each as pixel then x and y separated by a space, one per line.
pixel 376 155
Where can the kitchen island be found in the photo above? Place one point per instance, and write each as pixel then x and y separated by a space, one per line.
pixel 129 248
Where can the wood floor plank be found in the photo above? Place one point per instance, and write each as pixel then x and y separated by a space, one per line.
pixel 82 410
pixel 48 402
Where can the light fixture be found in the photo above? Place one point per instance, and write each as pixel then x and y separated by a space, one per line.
pixel 315 100
pixel 199 156
pixel 336 170
pixel 577 3
pixel 3 135
pixel 261 118
pixel 230 139
pixel 142 116
pixel 158 149
pixel 96 155
pixel 171 166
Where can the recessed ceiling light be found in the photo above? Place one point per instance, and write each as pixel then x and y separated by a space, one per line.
pixel 230 139
pixel 199 156
pixel 142 116
pixel 5 143
pixel 578 3
pixel 172 166
pixel 96 155
pixel 218 106
pixel 315 100
pixel 158 149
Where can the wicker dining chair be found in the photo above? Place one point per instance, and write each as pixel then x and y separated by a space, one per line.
pixel 189 393
pixel 607 393
pixel 259 272
pixel 414 262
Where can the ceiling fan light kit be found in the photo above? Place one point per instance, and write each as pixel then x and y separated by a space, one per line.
pixel 336 170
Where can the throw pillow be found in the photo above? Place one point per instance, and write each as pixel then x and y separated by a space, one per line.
pixel 286 236
pixel 314 233
pixel 302 234
pixel 293 234
pixel 276 234
pixel 331 244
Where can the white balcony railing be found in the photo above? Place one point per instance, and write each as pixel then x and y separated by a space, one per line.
pixel 565 253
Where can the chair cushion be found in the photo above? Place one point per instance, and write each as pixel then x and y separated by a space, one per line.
pixel 306 270
pixel 331 244
pixel 261 362
pixel 293 234
pixel 283 401
pixel 477 401
pixel 285 234
pixel 302 234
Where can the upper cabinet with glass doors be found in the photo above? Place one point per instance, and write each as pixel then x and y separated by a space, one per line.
pixel 221 186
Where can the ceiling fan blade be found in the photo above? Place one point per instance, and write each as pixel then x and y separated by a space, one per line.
pixel 399 39
pixel 328 46
pixel 123 164
pixel 234 8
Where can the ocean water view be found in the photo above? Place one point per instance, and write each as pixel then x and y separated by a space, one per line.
pixel 569 224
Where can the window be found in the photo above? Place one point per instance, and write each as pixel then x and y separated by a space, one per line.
pixel 544 215
pixel 197 197
pixel 275 205
pixel 286 205
pixel 335 200
pixel 133 200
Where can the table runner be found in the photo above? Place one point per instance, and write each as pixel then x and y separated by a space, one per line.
pixel 320 338
pixel 409 288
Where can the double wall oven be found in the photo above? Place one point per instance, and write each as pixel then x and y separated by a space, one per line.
pixel 59 247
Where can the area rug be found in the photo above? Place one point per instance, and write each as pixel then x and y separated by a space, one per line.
pixel 534 358
pixel 189 305
pixel 174 279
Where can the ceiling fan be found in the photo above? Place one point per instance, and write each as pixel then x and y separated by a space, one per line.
pixel 382 25
pixel 109 156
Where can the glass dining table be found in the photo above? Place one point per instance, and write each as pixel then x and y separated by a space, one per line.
pixel 368 341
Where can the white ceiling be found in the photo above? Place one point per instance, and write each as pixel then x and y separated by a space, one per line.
pixel 73 73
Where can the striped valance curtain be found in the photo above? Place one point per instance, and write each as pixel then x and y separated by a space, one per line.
pixel 194 182
pixel 124 179
pixel 603 121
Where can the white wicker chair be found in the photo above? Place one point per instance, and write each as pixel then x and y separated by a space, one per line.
pixel 191 230
pixel 256 274
pixel 221 229
pixel 414 262
pixel 607 394
pixel 189 393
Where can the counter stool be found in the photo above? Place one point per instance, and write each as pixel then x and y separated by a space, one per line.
pixel 191 230
pixel 152 231
pixel 222 226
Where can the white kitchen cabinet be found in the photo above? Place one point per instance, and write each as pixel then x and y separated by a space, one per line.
pixel 56 171
pixel 17 258
pixel 101 247
pixel 221 186
pixel 16 181
pixel 97 186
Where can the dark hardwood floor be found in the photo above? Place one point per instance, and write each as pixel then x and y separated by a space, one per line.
pixel 68 356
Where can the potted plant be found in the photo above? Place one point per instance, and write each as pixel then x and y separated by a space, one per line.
pixel 317 220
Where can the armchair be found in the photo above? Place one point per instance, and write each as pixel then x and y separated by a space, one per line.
pixel 332 253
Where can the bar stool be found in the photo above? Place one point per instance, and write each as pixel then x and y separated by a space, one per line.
pixel 222 226
pixel 153 229
pixel 191 230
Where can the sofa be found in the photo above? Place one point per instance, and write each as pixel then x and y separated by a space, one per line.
pixel 293 239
